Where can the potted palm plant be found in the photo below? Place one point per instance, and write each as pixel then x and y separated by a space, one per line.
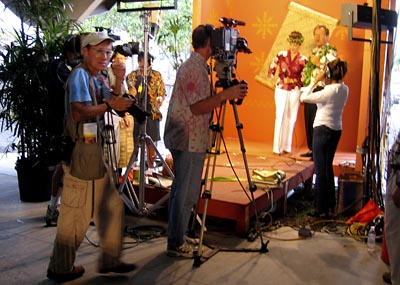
pixel 24 94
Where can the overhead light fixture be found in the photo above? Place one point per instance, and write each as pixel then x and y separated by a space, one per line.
pixel 146 5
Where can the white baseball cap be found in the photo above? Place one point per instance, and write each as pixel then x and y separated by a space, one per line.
pixel 94 39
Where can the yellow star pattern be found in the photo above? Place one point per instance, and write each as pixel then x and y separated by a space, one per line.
pixel 258 62
pixel 264 26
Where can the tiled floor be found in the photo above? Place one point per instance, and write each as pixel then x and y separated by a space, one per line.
pixel 325 258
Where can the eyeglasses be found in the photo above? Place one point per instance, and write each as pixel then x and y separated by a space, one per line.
pixel 101 52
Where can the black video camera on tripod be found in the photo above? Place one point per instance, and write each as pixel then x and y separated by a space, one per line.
pixel 225 44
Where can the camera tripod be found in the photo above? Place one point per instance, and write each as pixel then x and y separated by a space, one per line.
pixel 136 201
pixel 213 150
pixel 110 143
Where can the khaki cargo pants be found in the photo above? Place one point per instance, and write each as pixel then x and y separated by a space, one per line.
pixel 82 201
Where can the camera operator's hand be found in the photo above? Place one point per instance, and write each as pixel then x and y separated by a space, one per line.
pixel 238 91
pixel 119 68
pixel 119 103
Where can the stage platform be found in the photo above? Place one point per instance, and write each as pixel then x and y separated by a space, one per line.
pixel 233 200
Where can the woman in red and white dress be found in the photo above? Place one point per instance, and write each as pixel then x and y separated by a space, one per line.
pixel 289 64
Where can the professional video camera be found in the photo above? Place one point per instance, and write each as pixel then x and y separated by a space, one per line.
pixel 127 49
pixel 225 44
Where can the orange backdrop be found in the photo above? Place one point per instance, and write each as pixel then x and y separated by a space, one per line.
pixel 263 21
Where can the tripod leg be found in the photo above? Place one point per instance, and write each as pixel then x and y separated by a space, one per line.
pixel 111 144
pixel 213 151
pixel 127 190
pixel 150 142
pixel 252 186
pixel 143 207
pixel 111 151
pixel 203 186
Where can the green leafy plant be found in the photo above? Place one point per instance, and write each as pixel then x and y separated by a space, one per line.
pixel 24 75
pixel 173 38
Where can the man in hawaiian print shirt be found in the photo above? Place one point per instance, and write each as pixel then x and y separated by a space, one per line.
pixel 186 135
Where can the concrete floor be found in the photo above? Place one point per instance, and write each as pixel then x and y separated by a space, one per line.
pixel 325 258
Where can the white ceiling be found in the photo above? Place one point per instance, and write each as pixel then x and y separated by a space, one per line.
pixel 83 9
pixel 86 8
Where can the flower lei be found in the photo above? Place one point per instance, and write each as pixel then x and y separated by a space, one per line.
pixel 326 54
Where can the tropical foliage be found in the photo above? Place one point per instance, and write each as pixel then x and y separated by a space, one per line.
pixel 24 67
pixel 173 37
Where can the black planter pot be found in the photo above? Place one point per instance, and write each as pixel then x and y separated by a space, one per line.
pixel 34 181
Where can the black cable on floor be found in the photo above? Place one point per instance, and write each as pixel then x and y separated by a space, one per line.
pixel 145 233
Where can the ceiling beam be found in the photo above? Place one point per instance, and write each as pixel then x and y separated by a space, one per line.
pixel 82 9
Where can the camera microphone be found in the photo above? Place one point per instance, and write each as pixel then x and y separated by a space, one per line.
pixel 231 22
pixel 239 23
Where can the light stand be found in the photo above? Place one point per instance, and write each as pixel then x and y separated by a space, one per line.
pixel 215 139
pixel 134 202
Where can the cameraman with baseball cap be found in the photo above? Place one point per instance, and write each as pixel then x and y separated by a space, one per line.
pixel 88 97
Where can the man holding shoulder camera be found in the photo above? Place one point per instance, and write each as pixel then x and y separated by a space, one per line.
pixel 89 192
pixel 186 135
